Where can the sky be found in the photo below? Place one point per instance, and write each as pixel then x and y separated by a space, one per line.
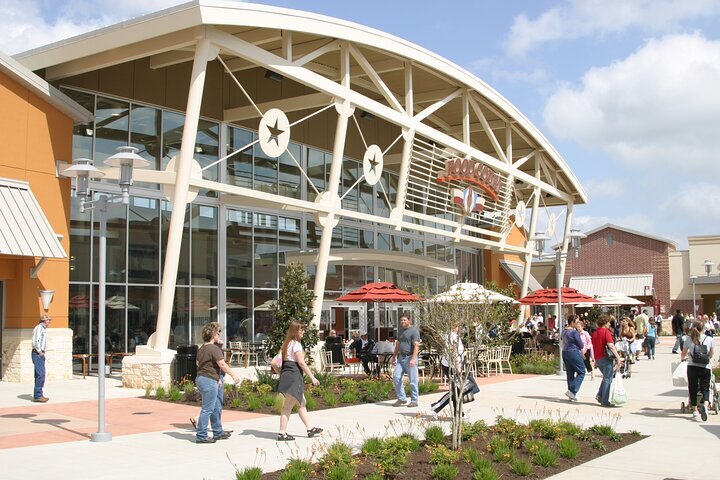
pixel 626 90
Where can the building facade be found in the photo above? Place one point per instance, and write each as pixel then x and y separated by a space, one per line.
pixel 276 136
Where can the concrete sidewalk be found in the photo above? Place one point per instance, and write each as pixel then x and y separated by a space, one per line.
pixel 153 442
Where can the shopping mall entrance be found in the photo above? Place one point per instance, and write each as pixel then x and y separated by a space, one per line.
pixel 375 319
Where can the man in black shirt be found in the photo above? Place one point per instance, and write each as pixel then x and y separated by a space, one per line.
pixel 677 327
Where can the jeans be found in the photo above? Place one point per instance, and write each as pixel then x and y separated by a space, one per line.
pixel 211 407
pixel 39 367
pixel 678 343
pixel 403 367
pixel 575 369
pixel 605 365
pixel 650 342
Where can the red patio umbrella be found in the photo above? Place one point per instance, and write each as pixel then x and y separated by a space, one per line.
pixel 569 296
pixel 379 292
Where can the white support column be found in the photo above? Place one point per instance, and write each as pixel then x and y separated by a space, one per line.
pixel 408 136
pixel 533 225
pixel 566 240
pixel 331 197
pixel 179 204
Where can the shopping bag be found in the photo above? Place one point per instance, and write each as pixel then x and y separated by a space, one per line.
pixel 618 395
pixel 679 374
pixel 276 363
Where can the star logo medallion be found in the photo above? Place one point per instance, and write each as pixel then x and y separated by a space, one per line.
pixel 274 133
pixel 372 164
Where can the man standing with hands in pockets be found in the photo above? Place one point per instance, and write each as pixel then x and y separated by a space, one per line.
pixel 406 352
pixel 39 343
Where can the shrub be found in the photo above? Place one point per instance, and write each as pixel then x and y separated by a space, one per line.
pixel 268 399
pixel 254 402
pixel 471 431
pixel 371 446
pixel 330 399
pixel 374 476
pixel 533 445
pixel 497 443
pixel 569 428
pixel 310 402
pixel 249 473
pixel 598 445
pixel 584 435
pixel 160 393
pixel 279 404
pixel 428 387
pixel 546 428
pixel 475 458
pixel 326 379
pixel 604 430
pixel 504 425
pixel 615 437
pixel 503 454
pixel 293 475
pixel 407 442
pixel 175 395
pixel 444 472
pixel 440 454
pixel 545 457
pixel 568 448
pixel 634 433
pixel 349 396
pixel 236 403
pixel 434 435
pixel 485 474
pixel 299 468
pixel 266 377
pixel 521 467
pixel 341 472
pixel 338 454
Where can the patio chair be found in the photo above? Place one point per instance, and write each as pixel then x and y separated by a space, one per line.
pixel 236 350
pixel 250 354
pixel 505 352
pixel 328 364
pixel 529 345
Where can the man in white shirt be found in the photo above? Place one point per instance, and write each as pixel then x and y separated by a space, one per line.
pixel 39 343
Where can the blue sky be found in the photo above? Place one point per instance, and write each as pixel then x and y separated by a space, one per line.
pixel 626 90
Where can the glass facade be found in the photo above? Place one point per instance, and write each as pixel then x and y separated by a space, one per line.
pixel 232 259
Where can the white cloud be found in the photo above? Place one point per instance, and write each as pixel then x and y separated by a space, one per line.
pixel 27 24
pixel 697 204
pixel 658 108
pixel 604 188
pixel 583 18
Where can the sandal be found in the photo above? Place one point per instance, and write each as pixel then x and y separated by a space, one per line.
pixel 314 431
pixel 284 437
pixel 192 421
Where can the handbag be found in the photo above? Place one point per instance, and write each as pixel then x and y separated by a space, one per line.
pixel 618 394
pixel 276 363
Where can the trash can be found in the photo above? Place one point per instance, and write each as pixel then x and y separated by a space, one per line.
pixel 185 366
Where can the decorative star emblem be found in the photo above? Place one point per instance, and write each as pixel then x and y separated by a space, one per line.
pixel 373 162
pixel 275 132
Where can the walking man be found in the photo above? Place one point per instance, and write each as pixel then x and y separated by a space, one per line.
pixel 406 352
pixel 39 343
pixel 678 323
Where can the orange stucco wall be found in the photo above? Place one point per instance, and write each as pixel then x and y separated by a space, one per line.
pixel 34 134
pixel 494 271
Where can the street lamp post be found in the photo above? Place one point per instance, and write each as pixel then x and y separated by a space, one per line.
pixel 540 239
pixel 708 264
pixel 692 280
pixel 83 170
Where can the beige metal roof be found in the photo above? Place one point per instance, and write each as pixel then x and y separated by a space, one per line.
pixel 24 229
pixel 515 270
pixel 630 285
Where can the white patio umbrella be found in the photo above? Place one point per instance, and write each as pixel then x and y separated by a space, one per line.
pixel 471 292
pixel 617 298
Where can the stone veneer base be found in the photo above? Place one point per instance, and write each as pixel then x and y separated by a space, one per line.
pixel 17 363
pixel 148 368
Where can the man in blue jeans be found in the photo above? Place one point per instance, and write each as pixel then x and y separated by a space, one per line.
pixel 39 344
pixel 406 352
pixel 600 339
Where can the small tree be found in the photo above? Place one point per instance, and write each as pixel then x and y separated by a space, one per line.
pixel 438 319
pixel 294 305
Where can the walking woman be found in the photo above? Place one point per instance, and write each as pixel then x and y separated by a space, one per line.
pixel 292 384
pixel 605 356
pixel 698 369
pixel 210 362
pixel 572 355
pixel 588 352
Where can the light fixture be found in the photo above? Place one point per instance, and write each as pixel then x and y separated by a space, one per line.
pixel 692 280
pixel 708 264
pixel 575 237
pixel 46 297
pixel 82 170
pixel 274 76
pixel 539 239
pixel 367 115
pixel 126 158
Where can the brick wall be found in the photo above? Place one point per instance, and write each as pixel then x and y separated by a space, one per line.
pixel 615 252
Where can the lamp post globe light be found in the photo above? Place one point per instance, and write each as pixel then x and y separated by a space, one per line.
pixel 708 264
pixel 692 280
pixel 574 244
pixel 83 170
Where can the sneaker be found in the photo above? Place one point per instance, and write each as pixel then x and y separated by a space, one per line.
pixel 674 351
pixel 224 436
pixel 40 399
pixel 598 399
pixel 412 404
pixel 399 403
pixel 571 396
pixel 695 415
pixel 205 440
pixel 703 412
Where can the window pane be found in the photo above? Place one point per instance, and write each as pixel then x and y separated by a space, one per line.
pixel 367 239
pixel 349 177
pixel 204 310
pixel 314 233
pixel 183 272
pixel 237 312
pixel 204 245
pixel 142 314
pixel 266 171
pixel 111 131
pixel 351 237
pixel 172 126
pixel 289 240
pixel 264 317
pixel 115 244
pixel 382 193
pixel 289 179
pixel 144 241
pixel 239 249
pixel 206 152
pixel 180 323
pixel 80 238
pixel 315 172
pixel 145 136
pixel 265 251
pixel 240 165
pixel 353 277
pixel 79 317
pixel 116 304
pixel 82 133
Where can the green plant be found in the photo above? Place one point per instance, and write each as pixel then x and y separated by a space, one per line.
pixel 475 458
pixel 408 442
pixel 504 425
pixel 310 402
pixel 371 446
pixel 428 387
pixel 546 428
pixel 521 467
pixel 440 454
pixel 148 390
pixel 337 454
pixel 434 435
pixel 349 396
pixel 299 468
pixel 264 377
pixel 532 445
pixel 503 454
pixel 598 445
pixel 496 443
pixel 326 379
pixel 254 402
pixel 604 430
pixel 160 393
pixel 545 457
pixel 330 399
pixel 341 472
pixel 517 435
pixel 174 394
pixel 236 403
pixel 293 475
pixel 568 448
pixel 615 437
pixel 471 431
pixel 583 435
pixel 635 433
pixel 268 399
pixel 569 428
pixel 374 476
pixel 488 473
pixel 293 305
pixel 444 472
pixel 249 473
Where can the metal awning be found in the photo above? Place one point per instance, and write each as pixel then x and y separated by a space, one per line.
pixel 636 285
pixel 515 270
pixel 24 229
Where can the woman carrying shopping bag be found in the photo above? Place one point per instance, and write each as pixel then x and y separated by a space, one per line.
pixel 605 357
pixel 698 350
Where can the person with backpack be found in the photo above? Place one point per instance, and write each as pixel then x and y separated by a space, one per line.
pixel 698 350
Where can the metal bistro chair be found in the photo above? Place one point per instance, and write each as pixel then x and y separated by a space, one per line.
pixel 328 364
pixel 494 359
pixel 529 345
pixel 250 354
pixel 236 350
